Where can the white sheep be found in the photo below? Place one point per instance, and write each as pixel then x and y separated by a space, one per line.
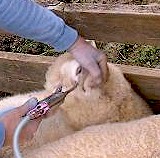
pixel 113 101
pixel 133 139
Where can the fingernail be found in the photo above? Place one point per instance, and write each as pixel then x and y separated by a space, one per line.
pixel 31 103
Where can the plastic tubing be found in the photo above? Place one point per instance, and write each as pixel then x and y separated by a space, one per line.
pixel 23 122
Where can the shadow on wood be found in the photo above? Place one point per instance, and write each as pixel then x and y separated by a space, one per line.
pixel 114 23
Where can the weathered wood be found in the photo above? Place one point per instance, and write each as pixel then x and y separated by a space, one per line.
pixel 146 82
pixel 21 73
pixel 134 24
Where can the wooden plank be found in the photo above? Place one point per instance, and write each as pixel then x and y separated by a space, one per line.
pixel 146 82
pixel 21 73
pixel 116 23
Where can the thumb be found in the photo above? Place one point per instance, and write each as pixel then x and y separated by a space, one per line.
pixel 27 106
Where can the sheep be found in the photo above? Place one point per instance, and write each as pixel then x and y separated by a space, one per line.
pixel 133 139
pixel 113 101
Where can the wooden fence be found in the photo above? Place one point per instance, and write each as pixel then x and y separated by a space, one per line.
pixel 135 24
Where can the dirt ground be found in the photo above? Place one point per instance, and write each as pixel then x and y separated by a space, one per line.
pixel 138 2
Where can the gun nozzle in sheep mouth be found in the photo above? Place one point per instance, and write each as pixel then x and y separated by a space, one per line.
pixel 58 97
pixel 55 99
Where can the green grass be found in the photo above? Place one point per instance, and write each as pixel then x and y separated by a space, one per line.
pixel 132 54
pixel 21 45
pixel 129 54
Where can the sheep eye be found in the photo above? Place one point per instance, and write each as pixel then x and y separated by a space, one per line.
pixel 79 70
pixel 59 89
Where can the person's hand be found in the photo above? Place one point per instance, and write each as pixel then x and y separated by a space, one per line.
pixel 13 117
pixel 91 59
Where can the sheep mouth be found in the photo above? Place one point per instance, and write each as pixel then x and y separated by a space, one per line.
pixel 79 85
pixel 83 85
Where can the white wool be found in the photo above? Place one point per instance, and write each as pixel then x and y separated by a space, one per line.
pixel 113 101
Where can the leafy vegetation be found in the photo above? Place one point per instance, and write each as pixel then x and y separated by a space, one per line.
pixel 22 45
pixel 132 54
pixel 129 54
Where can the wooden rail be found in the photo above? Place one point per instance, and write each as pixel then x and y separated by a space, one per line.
pixel 21 73
pixel 114 23
pixel 136 24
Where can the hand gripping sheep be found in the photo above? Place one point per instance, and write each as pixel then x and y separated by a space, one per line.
pixel 41 109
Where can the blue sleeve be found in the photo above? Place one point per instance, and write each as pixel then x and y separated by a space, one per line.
pixel 2 134
pixel 30 20
pixel 2 128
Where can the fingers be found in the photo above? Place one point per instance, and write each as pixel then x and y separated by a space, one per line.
pixel 102 62
pixel 29 130
pixel 97 67
pixel 30 104
pixel 13 117
pixel 98 71
pixel 95 73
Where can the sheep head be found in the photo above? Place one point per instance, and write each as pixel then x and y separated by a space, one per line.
pixel 66 71
pixel 85 105
pixel 112 101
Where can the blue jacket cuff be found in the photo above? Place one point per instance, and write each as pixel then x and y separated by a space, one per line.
pixel 2 134
pixel 66 40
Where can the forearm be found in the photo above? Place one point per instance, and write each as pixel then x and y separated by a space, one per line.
pixel 30 20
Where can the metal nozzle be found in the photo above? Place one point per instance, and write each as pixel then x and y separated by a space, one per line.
pixel 58 96
pixel 43 106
